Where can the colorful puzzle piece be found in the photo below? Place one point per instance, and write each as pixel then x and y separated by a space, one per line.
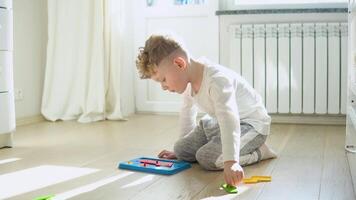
pixel 257 179
pixel 229 188
pixel 249 180
pixel 254 179
pixel 48 197
pixel 262 178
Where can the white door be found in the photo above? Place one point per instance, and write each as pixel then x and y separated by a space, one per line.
pixel 197 24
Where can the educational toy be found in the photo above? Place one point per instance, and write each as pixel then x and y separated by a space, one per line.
pixel 154 165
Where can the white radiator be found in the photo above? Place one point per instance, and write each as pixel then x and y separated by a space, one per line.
pixel 297 68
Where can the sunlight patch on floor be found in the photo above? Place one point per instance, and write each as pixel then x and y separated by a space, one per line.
pixel 27 180
pixel 222 197
pixel 139 181
pixel 9 160
pixel 241 189
pixel 90 187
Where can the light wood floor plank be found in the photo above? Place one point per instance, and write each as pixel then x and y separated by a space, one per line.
pixel 336 183
pixel 352 163
pixel 311 163
pixel 276 140
pixel 298 172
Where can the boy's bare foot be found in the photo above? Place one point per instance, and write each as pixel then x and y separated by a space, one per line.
pixel 266 152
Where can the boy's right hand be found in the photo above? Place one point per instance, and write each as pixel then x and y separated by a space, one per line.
pixel 167 154
pixel 233 172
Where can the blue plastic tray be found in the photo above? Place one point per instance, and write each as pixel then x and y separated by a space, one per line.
pixel 136 166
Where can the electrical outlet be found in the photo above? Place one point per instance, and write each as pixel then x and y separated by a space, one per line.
pixel 18 95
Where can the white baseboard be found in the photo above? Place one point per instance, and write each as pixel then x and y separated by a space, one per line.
pixel 309 119
pixel 288 118
pixel 29 120
pixel 6 140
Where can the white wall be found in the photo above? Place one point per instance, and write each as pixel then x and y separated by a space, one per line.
pixel 30 40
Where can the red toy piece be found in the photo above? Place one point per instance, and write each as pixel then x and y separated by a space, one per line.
pixel 156 163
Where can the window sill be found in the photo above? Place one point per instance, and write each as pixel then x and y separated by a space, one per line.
pixel 281 11
pixel 283 8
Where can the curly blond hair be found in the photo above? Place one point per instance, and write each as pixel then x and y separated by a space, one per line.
pixel 157 47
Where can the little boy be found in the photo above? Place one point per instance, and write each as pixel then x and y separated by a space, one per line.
pixel 234 131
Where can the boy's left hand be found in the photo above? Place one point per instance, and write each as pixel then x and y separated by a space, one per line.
pixel 167 154
pixel 233 172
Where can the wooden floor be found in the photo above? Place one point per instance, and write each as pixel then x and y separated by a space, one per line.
pixel 79 161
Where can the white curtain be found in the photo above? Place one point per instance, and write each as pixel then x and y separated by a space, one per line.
pixel 82 78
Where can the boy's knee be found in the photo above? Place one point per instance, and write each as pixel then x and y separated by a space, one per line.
pixel 180 150
pixel 206 161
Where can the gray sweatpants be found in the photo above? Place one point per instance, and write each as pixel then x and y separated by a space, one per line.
pixel 203 144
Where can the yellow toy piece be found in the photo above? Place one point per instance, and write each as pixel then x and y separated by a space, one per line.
pixel 262 178
pixel 249 180
pixel 257 179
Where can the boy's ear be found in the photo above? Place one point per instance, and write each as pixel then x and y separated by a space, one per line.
pixel 180 62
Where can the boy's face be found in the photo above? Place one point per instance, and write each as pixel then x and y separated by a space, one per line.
pixel 172 75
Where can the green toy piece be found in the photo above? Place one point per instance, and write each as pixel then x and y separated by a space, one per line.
pixel 48 197
pixel 229 188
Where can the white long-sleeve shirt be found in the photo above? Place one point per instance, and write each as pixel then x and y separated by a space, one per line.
pixel 229 98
